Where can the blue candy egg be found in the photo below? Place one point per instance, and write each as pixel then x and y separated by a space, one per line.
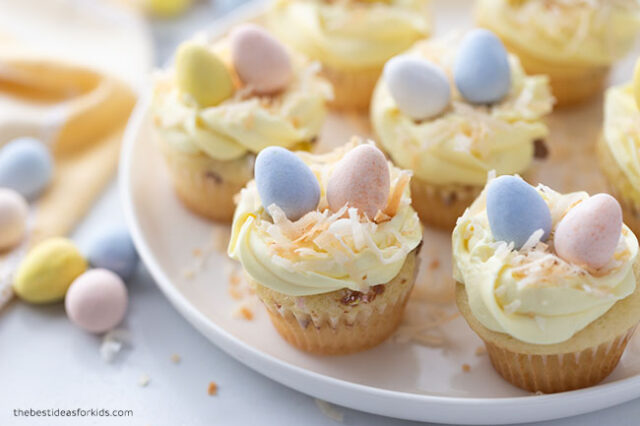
pixel 113 250
pixel 283 179
pixel 516 210
pixel 420 88
pixel 26 166
pixel 481 70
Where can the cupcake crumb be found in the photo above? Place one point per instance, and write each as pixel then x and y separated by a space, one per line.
pixel 329 410
pixel 197 252
pixel 481 350
pixel 175 358
pixel 466 368
pixel 435 264
pixel 212 389
pixel 144 380
pixel 538 393
pixel 244 312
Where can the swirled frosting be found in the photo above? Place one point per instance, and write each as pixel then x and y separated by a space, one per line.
pixel 622 133
pixel 573 32
pixel 324 251
pixel 467 141
pixel 348 34
pixel 245 123
pixel 532 294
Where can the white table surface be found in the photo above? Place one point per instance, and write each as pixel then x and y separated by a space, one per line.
pixel 45 362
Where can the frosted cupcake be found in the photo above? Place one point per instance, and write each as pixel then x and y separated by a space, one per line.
pixel 574 42
pixel 222 103
pixel 352 39
pixel 451 110
pixel 618 147
pixel 548 282
pixel 329 242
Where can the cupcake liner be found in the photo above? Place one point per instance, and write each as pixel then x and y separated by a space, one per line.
pixel 619 186
pixel 352 89
pixel 560 372
pixel 343 321
pixel 441 205
pixel 203 186
pixel 585 359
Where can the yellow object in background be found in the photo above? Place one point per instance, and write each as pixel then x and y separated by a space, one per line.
pixel 167 8
pixel 636 83
pixel 48 270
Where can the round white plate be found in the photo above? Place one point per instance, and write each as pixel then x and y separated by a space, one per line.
pixel 404 380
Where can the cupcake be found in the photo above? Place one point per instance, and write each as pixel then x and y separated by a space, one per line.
pixel 351 38
pixel 330 244
pixel 451 110
pixel 222 103
pixel 617 149
pixel 574 42
pixel 548 282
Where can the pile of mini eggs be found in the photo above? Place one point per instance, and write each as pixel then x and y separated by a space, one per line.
pixel 359 180
pixel 260 61
pixel 587 235
pixel 96 300
pixel 481 73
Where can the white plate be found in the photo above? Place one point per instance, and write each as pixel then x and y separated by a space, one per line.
pixel 403 380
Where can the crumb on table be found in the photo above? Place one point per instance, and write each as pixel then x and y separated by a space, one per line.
pixel 175 358
pixel 144 380
pixel 481 350
pixel 466 368
pixel 212 389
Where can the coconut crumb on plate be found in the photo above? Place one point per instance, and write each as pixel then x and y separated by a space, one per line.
pixel 113 342
pixel 144 380
pixel 175 358
pixel 330 410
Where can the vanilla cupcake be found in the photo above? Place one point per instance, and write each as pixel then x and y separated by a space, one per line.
pixel 548 282
pixel 451 110
pixel 222 103
pixel 330 244
pixel 574 42
pixel 351 38
pixel 618 147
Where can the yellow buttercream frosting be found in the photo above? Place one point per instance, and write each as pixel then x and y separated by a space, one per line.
pixel 622 133
pixel 572 32
pixel 466 141
pixel 245 123
pixel 350 34
pixel 532 294
pixel 324 251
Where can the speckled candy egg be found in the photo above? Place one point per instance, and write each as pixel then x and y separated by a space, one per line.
pixel 283 179
pixel 260 60
pixel 588 234
pixel 516 210
pixel 361 180
pixel 419 88
pixel 113 250
pixel 26 166
pixel 46 272
pixel 481 70
pixel 201 74
pixel 96 301
pixel 13 218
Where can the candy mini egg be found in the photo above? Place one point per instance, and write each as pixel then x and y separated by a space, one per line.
pixel 13 218
pixel 481 70
pixel 26 166
pixel 47 271
pixel 200 73
pixel 588 234
pixel 516 210
pixel 260 60
pixel 96 301
pixel 420 88
pixel 283 179
pixel 361 180
pixel 113 250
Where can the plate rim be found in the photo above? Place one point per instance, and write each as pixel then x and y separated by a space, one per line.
pixel 397 404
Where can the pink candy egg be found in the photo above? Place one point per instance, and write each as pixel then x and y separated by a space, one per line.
pixel 588 234
pixel 260 60
pixel 96 301
pixel 360 180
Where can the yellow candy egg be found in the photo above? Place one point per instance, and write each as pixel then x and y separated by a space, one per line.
pixel 200 73
pixel 636 83
pixel 167 8
pixel 48 270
